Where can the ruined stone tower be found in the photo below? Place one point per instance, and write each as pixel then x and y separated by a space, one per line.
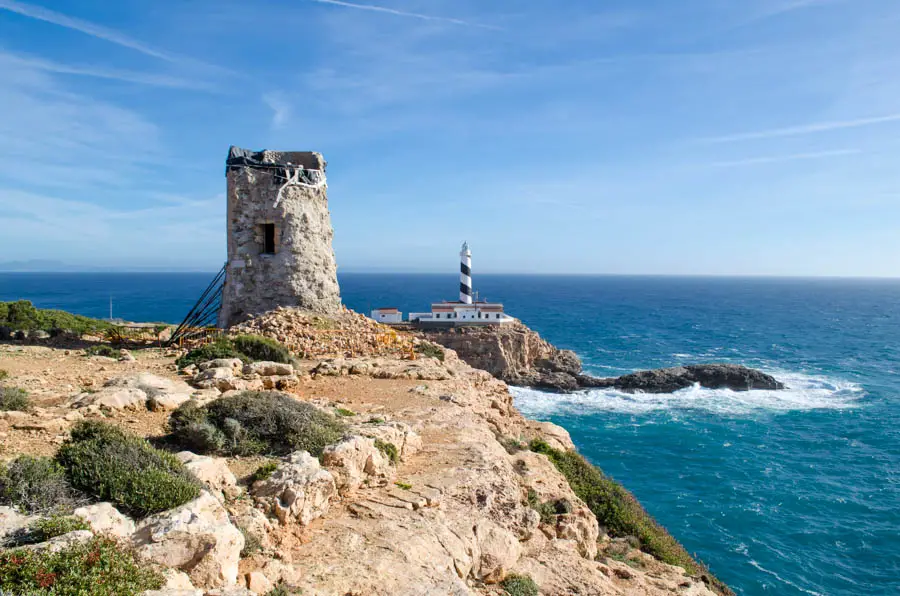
pixel 279 235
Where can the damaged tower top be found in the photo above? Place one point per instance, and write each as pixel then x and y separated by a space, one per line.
pixel 279 235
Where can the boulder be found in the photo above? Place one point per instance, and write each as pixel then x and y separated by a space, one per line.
pixel 269 369
pixel 498 551
pixel 103 518
pixel 59 543
pixel 12 522
pixel 399 434
pixel 258 583
pixel 234 364
pixel 138 391
pixel 298 490
pixel 222 378
pixel 197 538
pixel 212 471
pixel 353 460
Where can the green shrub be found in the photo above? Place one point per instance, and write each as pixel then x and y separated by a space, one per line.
pixel 98 567
pixel 388 449
pixel 511 444
pixel 36 485
pixel 519 585
pixel 251 543
pixel 403 485
pixel 618 510
pixel 102 350
pixel 50 527
pixel 222 348
pixel 23 315
pixel 261 349
pixel 13 398
pixel 3 375
pixel 264 471
pixel 430 350
pixel 345 413
pixel 111 465
pixel 279 590
pixel 258 422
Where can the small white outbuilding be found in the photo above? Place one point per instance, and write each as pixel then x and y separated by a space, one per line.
pixel 387 315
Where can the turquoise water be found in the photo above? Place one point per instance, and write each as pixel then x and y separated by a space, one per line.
pixel 794 492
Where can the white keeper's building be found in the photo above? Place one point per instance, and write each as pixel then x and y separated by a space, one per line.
pixel 465 311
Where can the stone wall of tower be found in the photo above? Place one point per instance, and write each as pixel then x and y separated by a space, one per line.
pixel 302 271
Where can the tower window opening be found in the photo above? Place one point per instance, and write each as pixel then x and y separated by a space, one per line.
pixel 268 239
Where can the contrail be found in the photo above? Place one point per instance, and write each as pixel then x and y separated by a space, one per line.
pixel 782 158
pixel 793 131
pixel 403 13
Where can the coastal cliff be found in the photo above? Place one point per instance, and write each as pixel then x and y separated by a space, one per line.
pixel 435 485
pixel 519 356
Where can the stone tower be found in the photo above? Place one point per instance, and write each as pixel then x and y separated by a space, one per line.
pixel 279 235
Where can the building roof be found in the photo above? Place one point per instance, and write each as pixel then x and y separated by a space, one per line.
pixel 387 309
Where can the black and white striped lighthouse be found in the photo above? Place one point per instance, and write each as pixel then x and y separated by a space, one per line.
pixel 465 274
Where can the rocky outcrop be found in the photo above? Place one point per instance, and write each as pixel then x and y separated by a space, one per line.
pixel 519 356
pixel 712 376
pixel 298 490
pixel 142 390
pixel 197 538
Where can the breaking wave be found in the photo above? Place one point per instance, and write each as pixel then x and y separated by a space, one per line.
pixel 802 392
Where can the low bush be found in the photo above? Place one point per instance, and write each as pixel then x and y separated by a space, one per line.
pixel 112 465
pixel 50 527
pixel 222 348
pixel 403 485
pixel 345 413
pixel 264 471
pixel 388 449
pixel 99 567
pixel 622 514
pixel 430 350
pixel 249 348
pixel 261 349
pixel 13 398
pixel 251 543
pixel 36 485
pixel 255 422
pixel 23 315
pixel 519 585
pixel 3 375
pixel 102 350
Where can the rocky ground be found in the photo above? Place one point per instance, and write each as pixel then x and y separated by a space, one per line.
pixel 452 515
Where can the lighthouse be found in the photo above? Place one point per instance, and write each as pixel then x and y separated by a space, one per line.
pixel 465 274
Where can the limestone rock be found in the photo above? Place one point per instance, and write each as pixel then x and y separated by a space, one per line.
pixel 298 490
pixel 258 583
pixel 59 543
pixel 498 551
pixel 268 369
pixel 353 460
pixel 138 391
pixel 713 376
pixel 399 434
pixel 11 522
pixel 212 471
pixel 197 538
pixel 235 364
pixel 104 518
pixel 222 378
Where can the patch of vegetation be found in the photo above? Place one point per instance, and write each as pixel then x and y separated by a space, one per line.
pixel 264 472
pixel 251 543
pixel 512 445
pixel 23 315
pixel 50 527
pixel 519 585
pixel 621 513
pixel 322 323
pixel 222 348
pixel 389 450
pixel 36 485
pixel 375 421
pixel 261 349
pixel 98 567
pixel 102 350
pixel 112 465
pixel 344 412
pixel 403 485
pixel 548 510
pixel 3 375
pixel 254 423
pixel 430 350
pixel 13 398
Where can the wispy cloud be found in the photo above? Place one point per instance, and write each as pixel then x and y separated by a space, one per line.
pixel 792 131
pixel 783 158
pixel 50 16
pixel 281 108
pixel 403 13
pixel 155 80
pixel 100 32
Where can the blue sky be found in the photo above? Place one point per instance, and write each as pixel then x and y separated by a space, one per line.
pixel 620 136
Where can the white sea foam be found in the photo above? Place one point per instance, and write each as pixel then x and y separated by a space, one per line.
pixel 802 392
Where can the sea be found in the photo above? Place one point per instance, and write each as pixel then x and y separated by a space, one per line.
pixel 793 492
